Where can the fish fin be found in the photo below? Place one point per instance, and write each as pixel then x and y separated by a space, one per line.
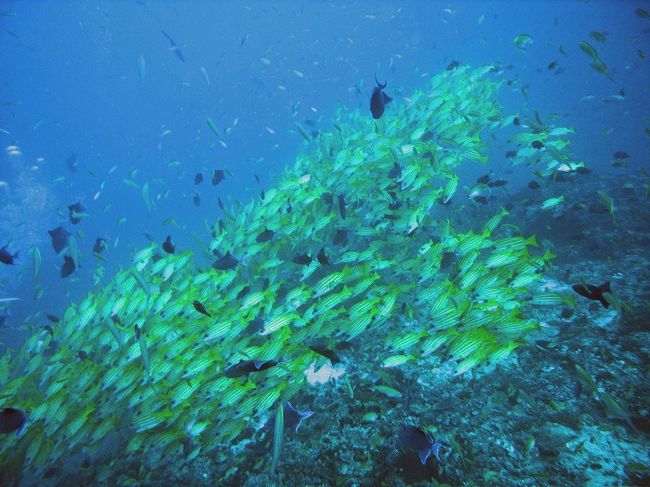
pixel 387 99
pixel 259 363
pixel 424 455
pixel 604 288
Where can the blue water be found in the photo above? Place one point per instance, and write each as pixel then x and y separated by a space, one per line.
pixel 98 79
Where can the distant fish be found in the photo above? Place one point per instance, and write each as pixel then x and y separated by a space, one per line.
pixel 496 183
pixel 173 46
pixel 53 318
pixel 12 419
pixel 71 162
pixel 200 308
pixel 196 199
pixel 342 206
pixel 226 262
pixel 485 179
pixel 245 367
pixel 218 175
pixel 168 245
pixel 265 236
pixel 453 65
pixel 100 245
pixel 621 155
pixel 533 184
pixel 395 172
pixel 322 257
pixel 76 212
pixel 414 439
pixel 595 293
pixel 198 178
pixel 378 100
pixel 68 266
pixel 6 257
pixel 536 144
pixel 302 259
pixel 340 237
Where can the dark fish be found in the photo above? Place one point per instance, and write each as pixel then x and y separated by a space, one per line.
pixel 395 172
pixel 100 245
pixel 537 144
pixel 516 121
pixel 198 178
pixel 174 47
pixel 453 65
pixel 200 308
pixel 322 257
pixel 497 183
pixel 289 207
pixel 12 419
pixel 552 65
pixel 414 439
pixel 220 203
pixel 293 418
pixel 342 206
pixel 511 153
pixel 217 176
pixel 245 367
pixel 76 211
pixel 71 162
pixel 262 195
pixel 485 179
pixel 533 185
pixel 378 100
pixel 82 354
pixel 257 178
pixel 196 199
pixel 265 236
pixel 594 293
pixel 326 352
pixel 6 257
pixel 148 236
pixel 53 318
pixel 340 237
pixel 621 155
pixel 68 266
pixel 228 261
pixel 481 199
pixel 302 259
pixel 60 238
pixel 328 198
pixel 243 292
pixel 310 122
pixel 168 246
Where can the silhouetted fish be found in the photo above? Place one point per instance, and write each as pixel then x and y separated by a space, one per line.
pixel 325 352
pixel 484 179
pixel 245 367
pixel 378 100
pixel 60 238
pixel 342 206
pixel 173 46
pixel 537 144
pixel 533 185
pixel 322 257
pixel 68 266
pixel 265 236
pixel 196 199
pixel 218 175
pixel 76 212
pixel 100 245
pixel 168 246
pixel 395 172
pixel 453 65
pixel 594 293
pixel 6 257
pixel 621 155
pixel 302 259
pixel 12 419
pixel 228 261
pixel 340 237
pixel 71 162
pixel 415 439
pixel 200 308
pixel 497 183
pixel 198 178
pixel 53 318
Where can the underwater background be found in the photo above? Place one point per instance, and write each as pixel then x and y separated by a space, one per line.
pixel 324 243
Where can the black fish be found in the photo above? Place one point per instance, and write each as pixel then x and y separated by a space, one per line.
pixel 217 176
pixel 342 206
pixel 68 266
pixel 516 121
pixel 552 65
pixel 341 237
pixel 289 207
pixel 325 352
pixel 254 326
pixel 76 212
pixel 481 199
pixel 537 144
pixel 511 153
pixel 198 178
pixel 302 259
pixel 53 318
pixel 257 178
pixel 533 185
pixel 245 367
pixel 168 246
pixel 220 203
pixel 6 257
pixel 378 100
pixel 100 245
pixel 453 65
pixel 12 419
pixel 265 236
pixel 594 293
pixel 485 179
pixel 497 183
pixel 243 292
pixel 322 257
pixel 415 439
pixel 228 261
pixel 395 172
pixel 71 162
pixel 82 354
pixel 621 155
pixel 196 199
pixel 200 308
pixel 262 195
pixel 60 238
pixel 173 46
pixel 293 418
